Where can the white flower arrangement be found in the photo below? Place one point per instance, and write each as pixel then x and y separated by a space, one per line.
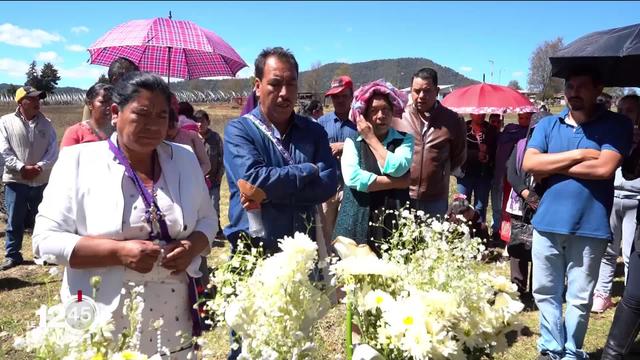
pixel 54 339
pixel 428 302
pixel 270 302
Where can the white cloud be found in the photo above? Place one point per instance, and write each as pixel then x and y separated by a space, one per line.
pixel 13 67
pixel 83 71
pixel 31 38
pixel 245 72
pixel 308 48
pixel 349 29
pixel 343 60
pixel 79 29
pixel 49 56
pixel 75 48
pixel 517 74
pixel 465 69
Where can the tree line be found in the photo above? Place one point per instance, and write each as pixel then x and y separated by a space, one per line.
pixel 314 80
pixel 44 80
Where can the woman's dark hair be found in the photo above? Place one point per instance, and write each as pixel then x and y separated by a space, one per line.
pixel 201 115
pixel 94 92
pixel 186 109
pixel 458 205
pixel 132 83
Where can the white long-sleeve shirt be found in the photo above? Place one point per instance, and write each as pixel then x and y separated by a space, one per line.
pixel 23 143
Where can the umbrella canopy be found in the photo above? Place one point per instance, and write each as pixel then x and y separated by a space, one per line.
pixel 615 52
pixel 173 48
pixel 487 99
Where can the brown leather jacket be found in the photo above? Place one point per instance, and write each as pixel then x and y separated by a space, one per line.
pixel 439 147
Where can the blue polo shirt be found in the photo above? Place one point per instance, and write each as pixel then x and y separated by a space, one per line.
pixel 338 131
pixel 576 206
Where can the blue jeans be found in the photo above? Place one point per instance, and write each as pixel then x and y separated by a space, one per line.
pixel 20 200
pixel 497 186
pixel 556 257
pixel 623 227
pixel 479 187
pixel 433 208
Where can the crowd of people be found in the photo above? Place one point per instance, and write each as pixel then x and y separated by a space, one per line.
pixel 134 194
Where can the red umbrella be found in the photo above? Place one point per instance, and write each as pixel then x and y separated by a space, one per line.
pixel 488 99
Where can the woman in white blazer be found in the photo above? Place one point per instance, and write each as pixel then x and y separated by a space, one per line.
pixel 94 220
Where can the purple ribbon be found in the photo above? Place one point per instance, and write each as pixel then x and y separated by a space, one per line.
pixel 149 203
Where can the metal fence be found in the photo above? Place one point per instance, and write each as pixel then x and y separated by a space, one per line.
pixel 192 96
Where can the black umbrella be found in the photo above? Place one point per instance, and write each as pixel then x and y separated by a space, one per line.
pixel 614 52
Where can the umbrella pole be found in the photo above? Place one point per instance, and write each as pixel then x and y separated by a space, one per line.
pixel 169 68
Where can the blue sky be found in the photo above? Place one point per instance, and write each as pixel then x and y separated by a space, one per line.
pixel 464 36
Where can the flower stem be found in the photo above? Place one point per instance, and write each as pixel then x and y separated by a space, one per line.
pixel 349 340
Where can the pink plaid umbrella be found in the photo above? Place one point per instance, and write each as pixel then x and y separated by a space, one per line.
pixel 173 48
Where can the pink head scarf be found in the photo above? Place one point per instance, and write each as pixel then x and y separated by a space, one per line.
pixel 366 91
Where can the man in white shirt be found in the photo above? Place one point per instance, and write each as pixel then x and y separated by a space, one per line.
pixel 29 150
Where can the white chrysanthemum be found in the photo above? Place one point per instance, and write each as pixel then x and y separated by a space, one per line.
pixel 501 283
pixel 506 302
pixel 378 299
pixel 406 314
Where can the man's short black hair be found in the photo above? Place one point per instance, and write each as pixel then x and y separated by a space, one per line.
pixel 585 70
pixel 119 67
pixel 426 74
pixel 281 53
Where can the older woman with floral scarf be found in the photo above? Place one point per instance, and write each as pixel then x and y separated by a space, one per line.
pixel 375 165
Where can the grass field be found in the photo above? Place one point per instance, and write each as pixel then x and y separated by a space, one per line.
pixel 24 288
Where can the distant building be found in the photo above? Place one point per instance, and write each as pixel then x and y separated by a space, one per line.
pixel 531 95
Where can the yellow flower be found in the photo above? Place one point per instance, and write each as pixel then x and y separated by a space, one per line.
pixel 378 299
pixel 95 281
pixel 98 357
pixel 129 355
pixel 408 320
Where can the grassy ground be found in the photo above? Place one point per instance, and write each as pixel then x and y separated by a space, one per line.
pixel 24 288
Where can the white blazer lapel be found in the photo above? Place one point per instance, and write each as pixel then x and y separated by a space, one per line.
pixel 115 176
pixel 173 177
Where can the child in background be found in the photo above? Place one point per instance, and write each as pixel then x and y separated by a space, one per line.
pixel 460 207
